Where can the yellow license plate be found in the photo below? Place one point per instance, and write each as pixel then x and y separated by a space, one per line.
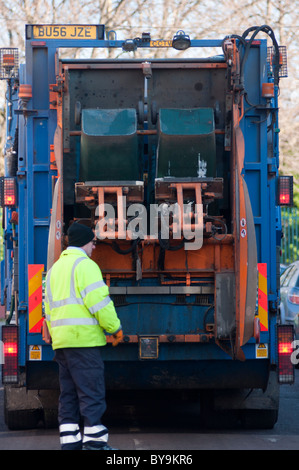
pixel 161 43
pixel 65 32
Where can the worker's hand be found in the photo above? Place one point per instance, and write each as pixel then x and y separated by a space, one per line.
pixel 117 337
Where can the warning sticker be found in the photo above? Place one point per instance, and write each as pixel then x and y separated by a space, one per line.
pixel 261 351
pixel 35 352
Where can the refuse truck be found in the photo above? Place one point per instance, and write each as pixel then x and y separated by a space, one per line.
pixel 174 162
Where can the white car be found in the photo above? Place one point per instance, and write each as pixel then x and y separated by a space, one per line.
pixel 289 295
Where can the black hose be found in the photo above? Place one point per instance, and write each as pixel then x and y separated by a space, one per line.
pixel 268 30
pixel 165 244
pixel 118 250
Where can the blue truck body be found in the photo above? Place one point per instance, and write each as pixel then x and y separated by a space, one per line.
pixel 172 328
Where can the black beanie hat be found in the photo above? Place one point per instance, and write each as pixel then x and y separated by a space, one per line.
pixel 79 235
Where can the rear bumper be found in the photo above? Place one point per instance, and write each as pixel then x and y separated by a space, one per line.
pixel 172 375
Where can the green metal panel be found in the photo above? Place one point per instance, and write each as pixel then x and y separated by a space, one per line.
pixel 109 145
pixel 186 137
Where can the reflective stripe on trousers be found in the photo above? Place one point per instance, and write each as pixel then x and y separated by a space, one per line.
pixel 96 435
pixel 70 436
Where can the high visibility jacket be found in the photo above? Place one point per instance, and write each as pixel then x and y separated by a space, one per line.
pixel 77 303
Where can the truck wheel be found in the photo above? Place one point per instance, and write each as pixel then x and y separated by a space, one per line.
pixel 22 419
pixel 26 409
pixel 259 419
pixel 212 418
pixel 250 409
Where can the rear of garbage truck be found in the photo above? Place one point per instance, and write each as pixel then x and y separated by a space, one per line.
pixel 174 163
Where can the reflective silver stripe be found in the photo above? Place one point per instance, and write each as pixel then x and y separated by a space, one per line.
pixel 94 429
pixel 49 292
pixel 68 301
pixel 70 439
pixel 95 434
pixel 73 321
pixel 69 427
pixel 91 287
pixel 95 308
pixel 72 289
pixel 69 433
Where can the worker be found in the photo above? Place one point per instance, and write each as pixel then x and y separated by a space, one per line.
pixel 78 312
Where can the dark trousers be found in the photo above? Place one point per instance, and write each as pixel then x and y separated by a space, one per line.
pixel 82 393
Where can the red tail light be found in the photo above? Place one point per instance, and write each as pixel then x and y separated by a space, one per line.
pixel 285 190
pixel 8 194
pixel 293 296
pixel 10 349
pixel 285 348
pixel 8 60
pixel 9 63
pixel 286 369
pixel 10 368
pixel 284 199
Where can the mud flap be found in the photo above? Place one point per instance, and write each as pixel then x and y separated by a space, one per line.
pixel 55 232
pixel 256 408
pixel 225 304
pixel 25 409
pixel 245 253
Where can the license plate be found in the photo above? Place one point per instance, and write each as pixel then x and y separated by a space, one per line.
pixel 65 32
